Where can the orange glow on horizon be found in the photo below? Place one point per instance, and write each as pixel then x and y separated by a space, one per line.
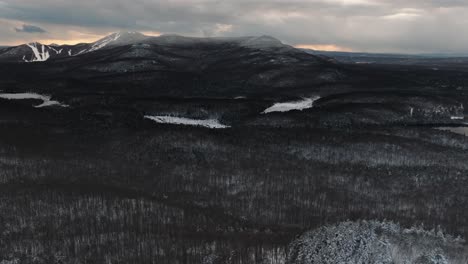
pixel 76 38
pixel 326 47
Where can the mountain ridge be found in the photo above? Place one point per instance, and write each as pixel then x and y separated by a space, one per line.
pixel 39 52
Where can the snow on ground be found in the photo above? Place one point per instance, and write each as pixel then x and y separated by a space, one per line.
pixel 56 51
pixel 209 123
pixel 80 52
pixel 39 55
pixel 102 43
pixel 46 100
pixel 376 242
pixel 288 106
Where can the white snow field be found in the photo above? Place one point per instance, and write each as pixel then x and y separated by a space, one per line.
pixel 289 106
pixel 115 38
pixel 103 42
pixel 375 242
pixel 209 123
pixel 46 100
pixel 39 55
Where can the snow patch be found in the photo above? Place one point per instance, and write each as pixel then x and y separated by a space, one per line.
pixel 98 45
pixel 457 117
pixel 46 100
pixel 376 242
pixel 288 106
pixel 209 123
pixel 56 51
pixel 104 42
pixel 80 52
pixel 39 55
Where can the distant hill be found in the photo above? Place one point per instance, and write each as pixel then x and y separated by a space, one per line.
pixel 433 60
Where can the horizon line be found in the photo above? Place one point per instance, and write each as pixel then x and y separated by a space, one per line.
pixel 314 47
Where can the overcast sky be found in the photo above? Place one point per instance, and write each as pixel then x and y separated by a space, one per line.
pixel 409 26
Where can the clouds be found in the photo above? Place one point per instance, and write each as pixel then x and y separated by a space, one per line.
pixel 30 29
pixel 364 25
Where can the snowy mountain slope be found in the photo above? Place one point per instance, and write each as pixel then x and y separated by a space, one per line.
pixel 30 52
pixel 115 39
pixel 172 65
pixel 38 52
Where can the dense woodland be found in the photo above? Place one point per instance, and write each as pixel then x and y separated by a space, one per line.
pixel 237 194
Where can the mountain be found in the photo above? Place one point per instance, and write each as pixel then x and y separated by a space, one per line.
pixel 170 65
pixel 39 52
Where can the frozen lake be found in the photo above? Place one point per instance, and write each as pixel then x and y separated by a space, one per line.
pixel 209 123
pixel 46 99
pixel 458 130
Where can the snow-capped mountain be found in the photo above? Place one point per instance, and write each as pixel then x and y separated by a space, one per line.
pixel 186 66
pixel 115 39
pixel 30 52
pixel 38 52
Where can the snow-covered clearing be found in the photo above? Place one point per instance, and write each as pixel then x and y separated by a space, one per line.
pixel 295 105
pixel 56 51
pixel 209 123
pixel 39 55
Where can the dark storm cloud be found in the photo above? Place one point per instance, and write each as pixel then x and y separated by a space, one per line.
pixel 368 25
pixel 30 29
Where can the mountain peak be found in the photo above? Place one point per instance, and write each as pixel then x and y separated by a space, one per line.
pixel 34 43
pixel 122 36
pixel 118 38
pixel 123 33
